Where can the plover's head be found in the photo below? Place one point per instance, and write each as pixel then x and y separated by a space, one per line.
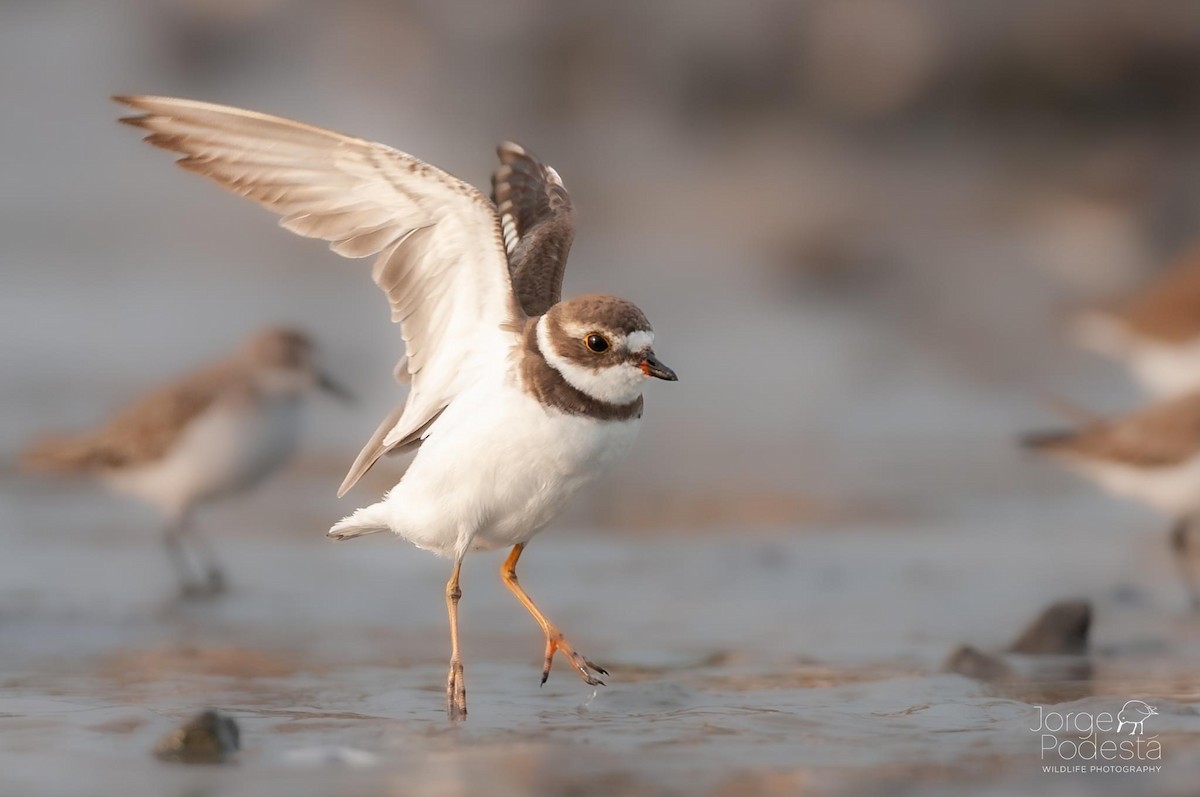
pixel 284 363
pixel 602 346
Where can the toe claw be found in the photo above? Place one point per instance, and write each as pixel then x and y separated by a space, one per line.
pixel 555 643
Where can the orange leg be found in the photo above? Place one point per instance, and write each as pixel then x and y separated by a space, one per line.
pixel 555 641
pixel 456 689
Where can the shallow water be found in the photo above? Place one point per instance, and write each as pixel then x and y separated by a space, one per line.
pixel 740 663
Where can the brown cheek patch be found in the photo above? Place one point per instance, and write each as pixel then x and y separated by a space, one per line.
pixel 574 350
pixel 540 380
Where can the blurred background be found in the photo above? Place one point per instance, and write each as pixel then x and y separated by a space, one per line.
pixel 858 227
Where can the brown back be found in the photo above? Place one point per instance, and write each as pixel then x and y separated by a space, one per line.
pixel 1169 308
pixel 141 433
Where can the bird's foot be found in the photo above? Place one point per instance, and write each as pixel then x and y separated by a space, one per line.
pixel 555 641
pixel 215 581
pixel 195 590
pixel 456 692
pixel 213 585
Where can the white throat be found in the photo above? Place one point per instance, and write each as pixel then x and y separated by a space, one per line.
pixel 617 384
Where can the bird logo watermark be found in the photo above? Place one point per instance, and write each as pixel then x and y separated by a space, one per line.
pixel 1072 742
pixel 1134 714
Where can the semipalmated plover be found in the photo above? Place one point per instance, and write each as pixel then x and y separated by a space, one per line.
pixel 1152 456
pixel 219 430
pixel 518 399
pixel 1155 332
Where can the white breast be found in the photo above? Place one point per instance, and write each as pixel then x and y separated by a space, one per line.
pixel 1174 490
pixel 1167 369
pixel 496 468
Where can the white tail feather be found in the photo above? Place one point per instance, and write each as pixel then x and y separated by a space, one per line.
pixel 368 520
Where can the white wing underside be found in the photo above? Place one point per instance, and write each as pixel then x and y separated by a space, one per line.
pixel 440 256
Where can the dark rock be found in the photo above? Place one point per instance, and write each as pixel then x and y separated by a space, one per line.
pixel 210 737
pixel 1060 630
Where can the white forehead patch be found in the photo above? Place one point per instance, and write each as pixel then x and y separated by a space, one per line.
pixel 640 340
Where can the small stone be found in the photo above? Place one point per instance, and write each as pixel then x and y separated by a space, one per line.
pixel 210 737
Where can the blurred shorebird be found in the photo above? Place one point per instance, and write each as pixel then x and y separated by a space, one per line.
pixel 219 430
pixel 518 399
pixel 1154 332
pixel 1151 456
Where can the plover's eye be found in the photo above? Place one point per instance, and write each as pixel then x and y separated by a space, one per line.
pixel 596 343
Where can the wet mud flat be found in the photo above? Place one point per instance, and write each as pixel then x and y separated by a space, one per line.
pixel 743 663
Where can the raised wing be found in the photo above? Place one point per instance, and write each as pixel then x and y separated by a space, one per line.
pixel 440 252
pixel 538 224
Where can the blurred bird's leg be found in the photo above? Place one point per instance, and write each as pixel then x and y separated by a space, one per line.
pixel 456 689
pixel 555 641
pixel 189 585
pixel 213 581
pixel 1185 544
pixel 214 574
